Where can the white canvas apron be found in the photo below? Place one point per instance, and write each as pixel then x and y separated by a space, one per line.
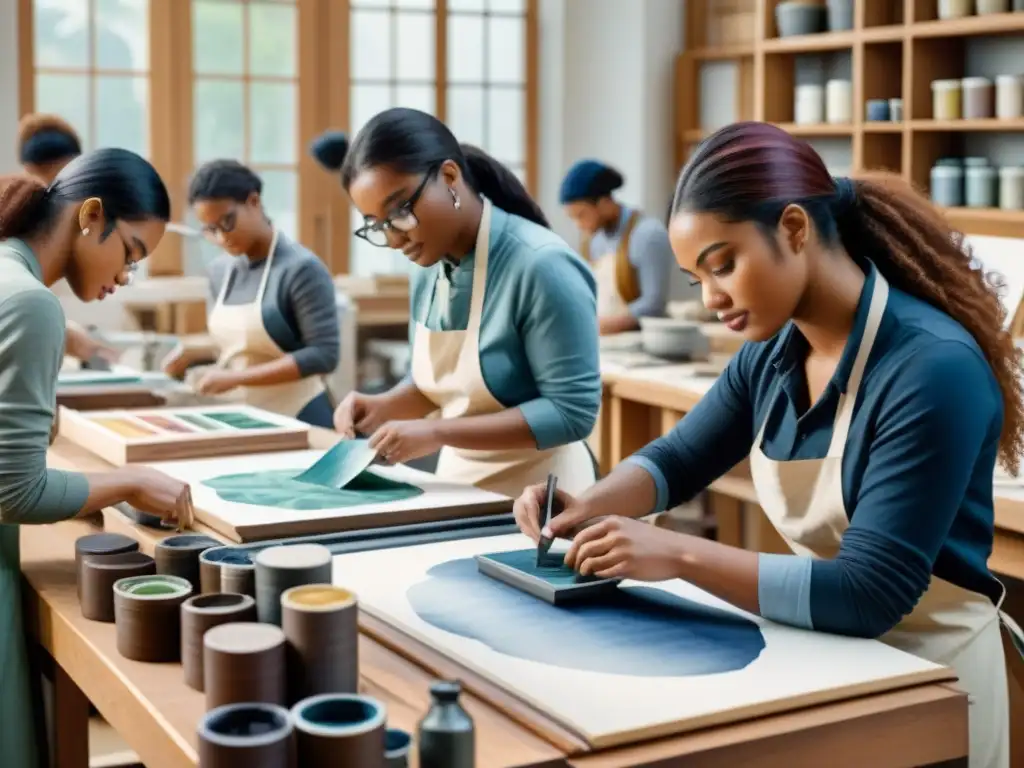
pixel 609 301
pixel 950 625
pixel 446 369
pixel 244 341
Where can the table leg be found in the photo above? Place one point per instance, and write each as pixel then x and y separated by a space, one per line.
pixel 71 722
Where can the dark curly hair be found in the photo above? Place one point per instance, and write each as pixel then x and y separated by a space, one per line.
pixel 751 171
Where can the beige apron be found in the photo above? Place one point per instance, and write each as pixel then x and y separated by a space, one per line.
pixel 608 274
pixel 446 369
pixel 949 625
pixel 244 342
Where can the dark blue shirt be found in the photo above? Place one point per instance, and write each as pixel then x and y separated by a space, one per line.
pixel 917 472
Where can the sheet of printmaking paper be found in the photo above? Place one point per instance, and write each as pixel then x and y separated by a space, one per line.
pixel 652 660
pixel 428 492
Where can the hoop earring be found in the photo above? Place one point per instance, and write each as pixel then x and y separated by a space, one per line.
pixel 455 199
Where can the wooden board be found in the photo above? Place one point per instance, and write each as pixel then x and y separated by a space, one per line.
pixel 125 436
pixel 657 660
pixel 244 522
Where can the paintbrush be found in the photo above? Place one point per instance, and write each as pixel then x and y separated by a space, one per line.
pixel 544 545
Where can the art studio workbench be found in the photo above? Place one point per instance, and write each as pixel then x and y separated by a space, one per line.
pixel 154 711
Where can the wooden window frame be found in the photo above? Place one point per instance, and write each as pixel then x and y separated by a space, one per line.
pixel 323 63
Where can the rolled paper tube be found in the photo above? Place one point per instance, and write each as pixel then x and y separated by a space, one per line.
pixel 281 567
pixel 244 662
pixel 202 613
pixel 249 735
pixel 320 622
pixel 101 544
pixel 212 560
pixel 147 611
pixel 238 579
pixel 339 729
pixel 397 744
pixel 179 556
pixel 101 572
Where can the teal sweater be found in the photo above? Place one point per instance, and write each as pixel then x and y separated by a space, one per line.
pixel 538 335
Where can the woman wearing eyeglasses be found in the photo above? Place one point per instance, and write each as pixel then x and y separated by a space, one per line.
pixel 503 320
pixel 273 316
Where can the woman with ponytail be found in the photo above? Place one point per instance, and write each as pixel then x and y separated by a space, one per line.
pixel 503 321
pixel 103 213
pixel 874 395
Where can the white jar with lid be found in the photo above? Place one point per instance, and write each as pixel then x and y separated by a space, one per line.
pixel 1009 96
pixel 839 101
pixel 1011 188
pixel 809 105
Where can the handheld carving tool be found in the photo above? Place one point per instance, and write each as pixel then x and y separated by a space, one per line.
pixel 546 513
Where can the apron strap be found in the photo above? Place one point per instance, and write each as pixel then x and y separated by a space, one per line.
pixel 481 254
pixel 844 416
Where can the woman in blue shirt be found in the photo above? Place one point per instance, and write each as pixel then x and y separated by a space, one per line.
pixel 874 394
pixel 503 323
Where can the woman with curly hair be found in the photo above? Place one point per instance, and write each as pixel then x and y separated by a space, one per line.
pixel 46 143
pixel 875 392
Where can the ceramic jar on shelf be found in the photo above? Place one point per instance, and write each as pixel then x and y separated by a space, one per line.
pixel 809 104
pixel 1009 96
pixel 1011 188
pixel 839 101
pixel 946 99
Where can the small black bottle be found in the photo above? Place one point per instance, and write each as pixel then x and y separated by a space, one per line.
pixel 445 734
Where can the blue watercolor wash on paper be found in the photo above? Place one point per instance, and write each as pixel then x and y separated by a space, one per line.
pixel 638 631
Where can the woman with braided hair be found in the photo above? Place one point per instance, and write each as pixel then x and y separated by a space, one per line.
pixel 875 392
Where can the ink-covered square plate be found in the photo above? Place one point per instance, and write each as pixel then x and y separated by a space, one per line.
pixel 553 582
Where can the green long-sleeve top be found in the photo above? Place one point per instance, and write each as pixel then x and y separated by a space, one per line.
pixel 31 353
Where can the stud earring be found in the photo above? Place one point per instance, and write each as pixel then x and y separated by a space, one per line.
pixel 85 232
pixel 455 199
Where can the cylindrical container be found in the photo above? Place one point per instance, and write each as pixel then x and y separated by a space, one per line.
pixel 202 613
pixel 100 544
pixel 212 560
pixel 446 735
pixel 896 110
pixel 947 185
pixel 179 556
pixel 321 624
pixel 946 98
pixel 339 729
pixel 840 15
pixel 979 98
pixel 984 7
pixel 244 661
pixel 878 110
pixel 809 104
pixel 147 611
pixel 974 162
pixel 247 736
pixel 1011 188
pixel 238 578
pixel 955 9
pixel 1009 96
pixel 282 567
pixel 839 101
pixel 397 744
pixel 99 574
pixel 981 187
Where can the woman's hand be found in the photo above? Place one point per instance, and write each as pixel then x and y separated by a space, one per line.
pixel 216 381
pixel 400 441
pixel 359 414
pixel 156 493
pixel 624 548
pixel 570 513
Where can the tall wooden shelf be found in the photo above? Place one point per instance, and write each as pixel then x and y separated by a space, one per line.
pixel 896 49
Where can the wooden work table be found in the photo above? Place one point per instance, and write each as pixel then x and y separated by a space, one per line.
pixel 156 713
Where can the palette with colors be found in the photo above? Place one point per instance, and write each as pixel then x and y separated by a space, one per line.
pixel 124 436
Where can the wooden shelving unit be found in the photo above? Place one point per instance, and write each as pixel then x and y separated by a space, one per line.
pixel 896 49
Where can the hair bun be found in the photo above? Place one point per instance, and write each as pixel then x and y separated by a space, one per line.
pixel 329 149
pixel 21 198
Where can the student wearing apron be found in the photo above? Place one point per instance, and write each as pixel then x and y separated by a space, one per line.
pixel 628 251
pixel 874 395
pixel 273 320
pixel 102 214
pixel 502 319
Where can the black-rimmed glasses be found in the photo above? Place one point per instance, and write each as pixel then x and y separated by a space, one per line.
pixel 402 220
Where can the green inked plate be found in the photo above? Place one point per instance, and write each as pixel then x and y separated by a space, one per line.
pixel 238 420
pixel 339 466
pixel 279 488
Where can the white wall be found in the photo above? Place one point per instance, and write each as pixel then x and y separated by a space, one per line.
pixel 8 85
